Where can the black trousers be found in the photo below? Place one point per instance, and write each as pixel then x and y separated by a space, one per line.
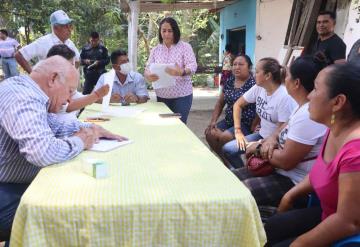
pixel 283 228
pixel 91 79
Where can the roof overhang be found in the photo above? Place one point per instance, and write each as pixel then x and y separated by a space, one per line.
pixel 158 5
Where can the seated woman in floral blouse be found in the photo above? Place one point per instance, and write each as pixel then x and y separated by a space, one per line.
pixel 241 80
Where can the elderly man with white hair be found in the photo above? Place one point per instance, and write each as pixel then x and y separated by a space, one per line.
pixel 61 26
pixel 31 137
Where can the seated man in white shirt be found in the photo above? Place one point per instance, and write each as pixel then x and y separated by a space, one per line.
pixel 128 86
pixel 61 26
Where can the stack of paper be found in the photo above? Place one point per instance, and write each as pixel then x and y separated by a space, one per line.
pixel 165 80
pixel 107 145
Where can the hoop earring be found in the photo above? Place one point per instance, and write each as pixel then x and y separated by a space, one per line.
pixel 332 120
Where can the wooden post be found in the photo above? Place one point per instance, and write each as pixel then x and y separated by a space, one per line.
pixel 133 20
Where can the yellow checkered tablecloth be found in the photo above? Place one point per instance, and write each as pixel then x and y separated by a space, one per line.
pixel 165 189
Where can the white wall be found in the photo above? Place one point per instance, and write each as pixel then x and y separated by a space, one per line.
pixel 352 31
pixel 272 18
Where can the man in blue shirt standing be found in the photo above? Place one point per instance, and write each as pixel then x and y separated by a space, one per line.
pixel 31 137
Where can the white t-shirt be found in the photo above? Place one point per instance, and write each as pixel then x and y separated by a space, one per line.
pixel 302 129
pixel 271 109
pixel 62 115
pixel 40 47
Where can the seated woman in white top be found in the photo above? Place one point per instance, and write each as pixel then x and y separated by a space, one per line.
pixel 293 151
pixel 273 106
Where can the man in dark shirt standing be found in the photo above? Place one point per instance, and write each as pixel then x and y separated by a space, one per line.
pixel 328 45
pixel 94 57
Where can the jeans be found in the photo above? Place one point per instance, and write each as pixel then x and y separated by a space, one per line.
pixel 10 199
pixel 9 66
pixel 232 152
pixel 180 105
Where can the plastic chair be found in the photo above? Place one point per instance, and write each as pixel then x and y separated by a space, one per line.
pixel 314 201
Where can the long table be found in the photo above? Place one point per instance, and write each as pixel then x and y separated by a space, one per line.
pixel 164 189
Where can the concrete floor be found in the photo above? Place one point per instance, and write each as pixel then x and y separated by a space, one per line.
pixel 204 101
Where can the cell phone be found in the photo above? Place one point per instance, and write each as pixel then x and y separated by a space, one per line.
pixel 170 115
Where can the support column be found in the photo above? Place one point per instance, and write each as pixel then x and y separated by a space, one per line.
pixel 133 21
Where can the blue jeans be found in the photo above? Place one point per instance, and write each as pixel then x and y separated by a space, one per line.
pixel 180 105
pixel 10 199
pixel 9 67
pixel 232 152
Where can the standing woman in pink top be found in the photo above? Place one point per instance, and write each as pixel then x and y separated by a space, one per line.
pixel 335 176
pixel 172 50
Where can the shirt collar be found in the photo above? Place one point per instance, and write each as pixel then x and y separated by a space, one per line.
pixel 43 97
pixel 129 79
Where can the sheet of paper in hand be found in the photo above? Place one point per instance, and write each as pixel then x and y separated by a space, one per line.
pixel 108 145
pixel 108 79
pixel 165 80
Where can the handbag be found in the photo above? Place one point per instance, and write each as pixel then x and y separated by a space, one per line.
pixel 259 167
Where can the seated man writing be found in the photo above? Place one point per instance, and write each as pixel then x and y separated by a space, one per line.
pixel 31 137
pixel 128 86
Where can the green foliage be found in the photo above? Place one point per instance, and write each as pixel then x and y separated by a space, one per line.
pixel 198 27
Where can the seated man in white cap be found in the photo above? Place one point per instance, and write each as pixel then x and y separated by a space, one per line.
pixel 61 26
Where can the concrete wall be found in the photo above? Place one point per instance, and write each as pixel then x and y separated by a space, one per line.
pixel 272 18
pixel 239 14
pixel 352 31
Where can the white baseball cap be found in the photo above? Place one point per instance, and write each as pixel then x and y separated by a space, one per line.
pixel 59 17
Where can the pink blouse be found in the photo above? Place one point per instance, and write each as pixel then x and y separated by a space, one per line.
pixel 324 177
pixel 182 54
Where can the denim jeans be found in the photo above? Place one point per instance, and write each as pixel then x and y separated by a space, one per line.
pixel 180 105
pixel 10 199
pixel 232 152
pixel 9 67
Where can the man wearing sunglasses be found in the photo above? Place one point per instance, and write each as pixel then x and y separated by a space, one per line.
pixel 61 26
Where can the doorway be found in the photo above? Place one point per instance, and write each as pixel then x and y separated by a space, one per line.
pixel 237 38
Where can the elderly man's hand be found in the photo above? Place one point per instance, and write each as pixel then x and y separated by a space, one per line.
pixel 103 133
pixel 88 136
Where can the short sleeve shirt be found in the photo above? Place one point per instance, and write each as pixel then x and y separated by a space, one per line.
pixel 334 48
pixel 294 130
pixel 272 109
pixel 324 177
pixel 231 95
pixel 40 47
pixel 8 47
pixel 134 83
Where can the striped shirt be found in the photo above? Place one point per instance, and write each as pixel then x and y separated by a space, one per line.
pixel 8 47
pixel 30 137
pixel 181 54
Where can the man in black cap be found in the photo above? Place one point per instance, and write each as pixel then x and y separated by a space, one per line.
pixel 94 57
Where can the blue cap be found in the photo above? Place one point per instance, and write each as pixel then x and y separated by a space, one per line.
pixel 59 17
